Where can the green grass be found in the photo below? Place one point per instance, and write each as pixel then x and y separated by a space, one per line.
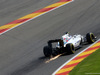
pixel 89 65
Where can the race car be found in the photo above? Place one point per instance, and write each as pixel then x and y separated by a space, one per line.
pixel 68 44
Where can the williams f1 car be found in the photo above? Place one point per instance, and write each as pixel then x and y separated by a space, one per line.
pixel 67 44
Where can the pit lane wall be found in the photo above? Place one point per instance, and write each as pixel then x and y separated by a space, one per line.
pixel 66 68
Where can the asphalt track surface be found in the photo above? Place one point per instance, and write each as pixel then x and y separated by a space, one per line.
pixel 21 48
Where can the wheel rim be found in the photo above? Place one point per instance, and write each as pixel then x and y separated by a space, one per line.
pixel 72 48
pixel 92 38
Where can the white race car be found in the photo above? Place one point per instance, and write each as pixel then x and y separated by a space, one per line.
pixel 67 44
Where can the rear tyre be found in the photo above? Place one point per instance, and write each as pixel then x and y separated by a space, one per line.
pixel 90 37
pixel 47 51
pixel 70 48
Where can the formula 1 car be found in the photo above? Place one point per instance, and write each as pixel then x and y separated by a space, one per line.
pixel 67 44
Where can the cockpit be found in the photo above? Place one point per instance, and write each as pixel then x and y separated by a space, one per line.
pixel 65 38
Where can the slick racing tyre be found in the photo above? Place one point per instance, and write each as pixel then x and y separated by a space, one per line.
pixel 47 51
pixel 70 48
pixel 90 37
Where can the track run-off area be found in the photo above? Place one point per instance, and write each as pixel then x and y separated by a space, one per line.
pixel 21 48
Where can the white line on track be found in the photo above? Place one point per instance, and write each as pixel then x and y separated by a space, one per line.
pixel 74 57
pixel 36 17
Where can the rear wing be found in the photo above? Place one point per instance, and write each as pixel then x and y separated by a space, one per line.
pixel 54 41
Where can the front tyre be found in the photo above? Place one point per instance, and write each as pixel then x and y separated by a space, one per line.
pixel 47 51
pixel 90 37
pixel 70 48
